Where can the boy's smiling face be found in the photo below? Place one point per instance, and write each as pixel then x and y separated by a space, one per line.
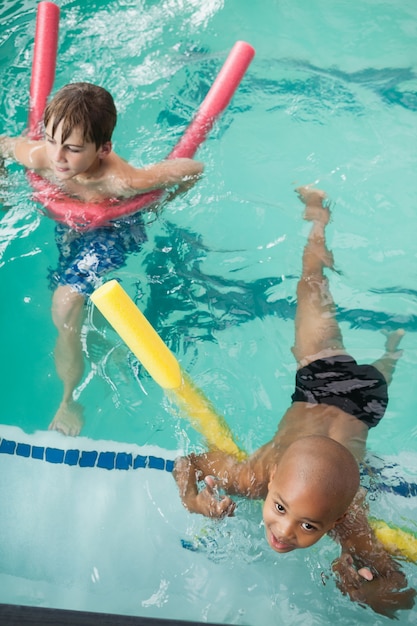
pixel 74 156
pixel 297 512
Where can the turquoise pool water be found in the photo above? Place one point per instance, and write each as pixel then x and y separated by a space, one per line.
pixel 330 98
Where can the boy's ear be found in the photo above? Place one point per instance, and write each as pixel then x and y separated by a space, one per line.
pixel 105 150
pixel 272 475
pixel 339 519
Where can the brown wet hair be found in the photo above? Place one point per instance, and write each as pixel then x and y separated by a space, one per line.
pixel 86 106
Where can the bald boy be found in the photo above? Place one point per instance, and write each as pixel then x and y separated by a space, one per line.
pixel 308 474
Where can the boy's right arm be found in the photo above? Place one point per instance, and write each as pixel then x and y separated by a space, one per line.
pixel 7 147
pixel 219 471
pixel 27 152
pixel 207 501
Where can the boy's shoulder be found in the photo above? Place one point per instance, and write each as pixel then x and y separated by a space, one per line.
pixel 29 152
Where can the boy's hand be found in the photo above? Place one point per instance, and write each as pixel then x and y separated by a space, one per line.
pixel 382 593
pixel 210 503
pixel 348 574
pixel 181 188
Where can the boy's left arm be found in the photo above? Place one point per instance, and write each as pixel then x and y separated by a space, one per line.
pixel 178 175
pixel 365 570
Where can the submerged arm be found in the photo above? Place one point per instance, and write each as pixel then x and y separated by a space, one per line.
pixel 366 572
pixel 188 472
pixel 219 471
pixel 179 173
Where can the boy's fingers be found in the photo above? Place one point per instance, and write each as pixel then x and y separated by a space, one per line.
pixel 221 505
pixel 366 573
pixel 228 507
pixel 210 482
pixel 224 507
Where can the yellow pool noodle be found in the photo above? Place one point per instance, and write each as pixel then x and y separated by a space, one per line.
pixel 138 334
pixel 398 541
pixel 145 343
pixel 204 418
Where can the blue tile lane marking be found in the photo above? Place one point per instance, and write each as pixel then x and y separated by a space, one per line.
pixel 71 457
pixel 126 461
pixel 106 460
pixel 140 461
pixel 7 447
pixel 37 452
pixel 156 463
pixel 86 458
pixel 53 455
pixel 23 449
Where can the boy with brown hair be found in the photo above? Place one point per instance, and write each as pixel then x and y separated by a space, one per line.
pixel 76 157
pixel 308 473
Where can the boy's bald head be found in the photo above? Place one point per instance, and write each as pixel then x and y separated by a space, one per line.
pixel 323 464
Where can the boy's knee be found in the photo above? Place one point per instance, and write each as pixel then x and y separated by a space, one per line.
pixel 307 286
pixel 67 306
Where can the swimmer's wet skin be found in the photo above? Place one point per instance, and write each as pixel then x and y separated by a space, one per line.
pixel 308 474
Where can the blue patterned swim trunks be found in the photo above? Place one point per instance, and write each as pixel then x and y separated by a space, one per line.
pixel 84 258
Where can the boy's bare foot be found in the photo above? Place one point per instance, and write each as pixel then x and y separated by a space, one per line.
pixel 68 419
pixel 315 209
pixel 393 339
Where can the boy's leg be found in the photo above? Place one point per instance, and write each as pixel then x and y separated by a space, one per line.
pixel 387 363
pixel 67 315
pixel 317 334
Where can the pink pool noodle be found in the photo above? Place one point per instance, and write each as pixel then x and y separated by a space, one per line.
pixel 216 100
pixel 83 215
pixel 43 66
